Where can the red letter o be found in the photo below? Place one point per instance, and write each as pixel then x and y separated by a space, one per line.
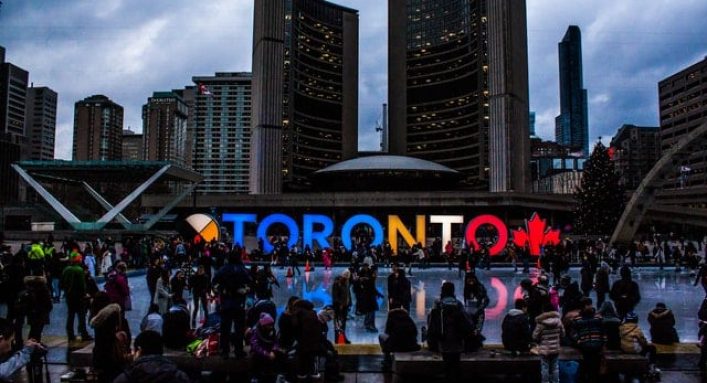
pixel 494 221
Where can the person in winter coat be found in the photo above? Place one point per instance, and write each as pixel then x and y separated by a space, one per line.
pixel 152 275
pixel 200 285
pixel 153 320
pixel 548 334
pixel 633 341
pixel 175 326
pixel 515 330
pixel 308 334
pixel 601 283
pixel 112 344
pixel 476 299
pixel 368 304
pixel 73 282
pixel 587 278
pixel 611 322
pixel 590 341
pixel 625 293
pixel 261 306
pixel 571 298
pixel 285 325
pixel 149 365
pixel 117 287
pixel 35 304
pixel 448 327
pixel 662 323
pixel 400 333
pixel 162 292
pixel 341 299
pixel 399 294
pixel 265 350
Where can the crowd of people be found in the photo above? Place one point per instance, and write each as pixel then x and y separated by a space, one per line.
pixel 590 314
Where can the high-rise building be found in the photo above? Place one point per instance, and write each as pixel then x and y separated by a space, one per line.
pixel 40 120
pixel 305 91
pixel 164 128
pixel 636 149
pixel 13 138
pixel 438 74
pixel 572 125
pixel 683 108
pixel 188 95
pixel 98 129
pixel 133 148
pixel 509 139
pixel 531 125
pixel 222 129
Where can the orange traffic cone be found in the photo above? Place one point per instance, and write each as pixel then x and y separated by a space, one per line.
pixel 306 267
pixel 290 274
pixel 341 338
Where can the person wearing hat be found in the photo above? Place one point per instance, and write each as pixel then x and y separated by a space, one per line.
pixel 73 282
pixel 633 341
pixel 264 349
pixel 662 323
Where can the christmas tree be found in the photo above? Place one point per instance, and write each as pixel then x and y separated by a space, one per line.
pixel 600 198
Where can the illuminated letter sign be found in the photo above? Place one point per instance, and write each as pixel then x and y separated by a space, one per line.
pixel 309 235
pixel 359 219
pixel 239 221
pixel 446 221
pixel 494 221
pixel 277 218
pixel 395 226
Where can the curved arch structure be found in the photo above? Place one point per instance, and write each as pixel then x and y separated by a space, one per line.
pixel 645 194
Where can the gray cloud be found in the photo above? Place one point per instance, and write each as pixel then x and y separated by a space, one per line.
pixel 126 49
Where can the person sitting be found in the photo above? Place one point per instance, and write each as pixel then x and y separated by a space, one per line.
pixel 633 341
pixel 285 325
pixel 515 330
pixel 265 350
pixel 176 327
pixel 150 366
pixel 261 306
pixel 400 333
pixel 662 323
pixel 610 322
pixel 153 320
pixel 590 341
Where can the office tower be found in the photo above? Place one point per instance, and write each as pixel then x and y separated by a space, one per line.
pixel 164 128
pixel 438 74
pixel 188 95
pixel 531 125
pixel 222 132
pixel 509 141
pixel 98 129
pixel 572 125
pixel 305 91
pixel 636 150
pixel 683 108
pixel 133 148
pixel 40 122
pixel 13 138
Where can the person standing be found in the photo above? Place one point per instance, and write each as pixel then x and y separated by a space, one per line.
pixel 153 274
pixel 231 282
pixel 90 260
pixel 587 278
pixel 601 283
pixel 200 285
pixel 476 299
pixel 625 293
pixel 341 300
pixel 162 292
pixel 399 289
pixel 34 303
pixel 448 328
pixel 369 297
pixel 117 287
pixel 73 282
pixel 548 333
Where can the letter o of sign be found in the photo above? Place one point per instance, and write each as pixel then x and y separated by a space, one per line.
pixel 487 219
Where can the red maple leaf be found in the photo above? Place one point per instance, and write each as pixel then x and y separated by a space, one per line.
pixel 535 235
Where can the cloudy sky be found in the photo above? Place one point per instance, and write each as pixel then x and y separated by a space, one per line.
pixel 126 49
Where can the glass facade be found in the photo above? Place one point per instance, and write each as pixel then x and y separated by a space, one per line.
pixel 313 89
pixel 571 126
pixel 447 85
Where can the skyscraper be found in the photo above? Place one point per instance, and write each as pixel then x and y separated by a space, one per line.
pixel 509 139
pixel 164 128
pixel 572 125
pixel 98 129
pixel 305 91
pixel 683 108
pixel 13 139
pixel 133 148
pixel 41 122
pixel 438 74
pixel 222 132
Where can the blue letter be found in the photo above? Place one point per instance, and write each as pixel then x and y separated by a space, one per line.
pixel 310 235
pixel 238 222
pixel 277 218
pixel 358 219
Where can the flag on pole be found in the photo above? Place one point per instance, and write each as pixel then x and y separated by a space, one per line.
pixel 203 90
